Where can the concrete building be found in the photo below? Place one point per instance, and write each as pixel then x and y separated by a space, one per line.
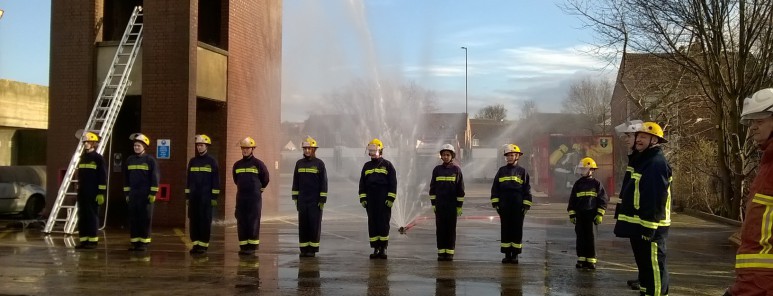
pixel 23 123
pixel 206 66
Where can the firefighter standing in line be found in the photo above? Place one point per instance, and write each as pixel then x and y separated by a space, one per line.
pixel 446 193
pixel 141 177
pixel 92 184
pixel 511 197
pixel 203 188
pixel 587 205
pixel 754 260
pixel 645 212
pixel 627 131
pixel 378 191
pixel 251 178
pixel 309 193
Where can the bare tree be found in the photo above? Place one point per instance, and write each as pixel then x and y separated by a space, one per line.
pixel 590 97
pixel 496 112
pixel 528 109
pixel 725 46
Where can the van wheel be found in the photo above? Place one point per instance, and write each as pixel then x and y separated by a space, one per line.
pixel 34 206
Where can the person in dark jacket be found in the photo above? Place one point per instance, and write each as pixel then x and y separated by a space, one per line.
pixel 511 197
pixel 645 212
pixel 587 205
pixel 201 192
pixel 309 194
pixel 92 185
pixel 627 131
pixel 378 192
pixel 446 193
pixel 251 178
pixel 141 176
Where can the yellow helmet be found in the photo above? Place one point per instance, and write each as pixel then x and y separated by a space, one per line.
pixel 202 139
pixel 653 129
pixel 511 148
pixel 377 143
pixel 247 143
pixel 89 137
pixel 139 137
pixel 309 143
pixel 588 163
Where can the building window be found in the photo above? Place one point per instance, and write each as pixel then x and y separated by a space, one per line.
pixel 475 143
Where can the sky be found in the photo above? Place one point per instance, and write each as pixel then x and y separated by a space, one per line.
pixel 517 50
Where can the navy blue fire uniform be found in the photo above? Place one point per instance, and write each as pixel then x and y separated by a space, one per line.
pixel 309 193
pixel 203 188
pixel 511 196
pixel 587 200
pixel 446 193
pixel 92 181
pixel 378 191
pixel 645 217
pixel 251 178
pixel 141 177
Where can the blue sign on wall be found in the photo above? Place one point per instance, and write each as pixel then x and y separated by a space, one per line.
pixel 163 148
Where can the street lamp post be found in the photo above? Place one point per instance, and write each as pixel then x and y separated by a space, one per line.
pixel 465 81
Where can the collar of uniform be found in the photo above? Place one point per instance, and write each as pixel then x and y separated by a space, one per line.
pixel 767 151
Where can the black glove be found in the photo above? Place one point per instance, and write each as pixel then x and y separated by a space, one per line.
pixel 525 209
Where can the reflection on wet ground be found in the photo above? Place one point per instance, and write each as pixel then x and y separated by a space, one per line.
pixel 700 260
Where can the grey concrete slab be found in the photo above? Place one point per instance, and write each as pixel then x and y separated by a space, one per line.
pixel 700 258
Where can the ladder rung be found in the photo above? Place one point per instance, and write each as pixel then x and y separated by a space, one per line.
pixel 71 193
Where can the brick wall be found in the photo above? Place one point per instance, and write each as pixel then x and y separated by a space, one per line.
pixel 71 86
pixel 254 85
pixel 168 95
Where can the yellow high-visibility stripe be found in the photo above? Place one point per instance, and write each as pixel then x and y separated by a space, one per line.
pixel 629 169
pixel 668 201
pixel 636 198
pixel 102 187
pixel 601 211
pixel 383 238
pixel 247 170
pixel 313 244
pixel 303 245
pixel 392 194
pixel 655 268
pixel 201 169
pixel 87 166
pixel 754 261
pixel 363 195
pixel 581 259
pixel 587 193
pixel 153 188
pixel 253 241
pixel 460 199
pixel 504 245
pixel 572 212
pixel 591 260
pixel 373 238
pixel 517 179
pixel 143 167
pixel 215 191
pixel 526 202
pixel 242 243
pixel 495 199
pixel 519 246
pixel 308 170
pixel 187 190
pixel 765 230
pixel 201 243
pixel 449 251
pixel 93 239
pixel 380 171
pixel 636 220
pixel 294 192
pixel 127 188
pixel 432 197
pixel 323 194
pixel 441 251
pixel 447 179
pixel 763 199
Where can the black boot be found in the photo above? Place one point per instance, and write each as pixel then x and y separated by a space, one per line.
pixel 634 284
pixel 515 258
pixel 86 246
pixel 449 257
pixel 382 253
pixel 375 253
pixel 580 264
pixel 508 257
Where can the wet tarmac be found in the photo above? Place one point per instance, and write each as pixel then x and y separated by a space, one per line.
pixel 700 259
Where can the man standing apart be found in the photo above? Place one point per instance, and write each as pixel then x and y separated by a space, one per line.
pixel 251 178
pixel 511 198
pixel 754 260
pixel 309 193
pixel 645 212
pixel 201 194
pixel 91 191
pixel 140 186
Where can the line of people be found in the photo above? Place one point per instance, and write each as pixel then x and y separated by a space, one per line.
pixel 643 214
